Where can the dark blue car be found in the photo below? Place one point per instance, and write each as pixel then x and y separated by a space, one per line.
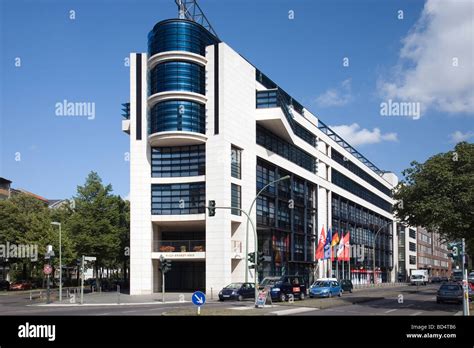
pixel 237 291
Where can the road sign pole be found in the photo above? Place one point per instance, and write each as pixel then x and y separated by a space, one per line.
pixel 48 293
pixel 82 279
pixel 163 285
pixel 465 285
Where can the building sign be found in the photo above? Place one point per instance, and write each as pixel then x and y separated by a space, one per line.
pixel 191 255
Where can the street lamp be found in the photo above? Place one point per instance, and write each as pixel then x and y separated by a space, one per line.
pixel 49 257
pixel 373 246
pixel 247 228
pixel 60 263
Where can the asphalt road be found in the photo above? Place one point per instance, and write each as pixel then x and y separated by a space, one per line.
pixel 378 301
pixel 421 301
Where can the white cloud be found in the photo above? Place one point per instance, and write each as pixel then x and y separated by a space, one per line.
pixel 459 136
pixel 442 36
pixel 127 197
pixel 354 135
pixel 336 96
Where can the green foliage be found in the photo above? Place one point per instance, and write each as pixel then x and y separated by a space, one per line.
pixel 97 224
pixel 439 194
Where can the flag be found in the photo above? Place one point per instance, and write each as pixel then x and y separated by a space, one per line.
pixel 347 247
pixel 334 242
pixel 321 241
pixel 327 245
pixel 340 248
pixel 335 239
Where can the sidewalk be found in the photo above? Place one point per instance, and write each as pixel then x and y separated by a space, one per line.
pixel 116 299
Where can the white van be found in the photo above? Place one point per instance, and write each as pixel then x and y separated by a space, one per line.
pixel 419 277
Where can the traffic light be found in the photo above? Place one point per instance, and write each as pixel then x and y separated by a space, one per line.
pixel 261 258
pixel 454 248
pixel 212 208
pixel 165 265
pixel 251 259
pixel 168 265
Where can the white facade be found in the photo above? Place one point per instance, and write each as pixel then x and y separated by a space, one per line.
pixel 225 233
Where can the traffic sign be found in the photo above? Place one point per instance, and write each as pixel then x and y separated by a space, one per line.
pixel 199 298
pixel 47 269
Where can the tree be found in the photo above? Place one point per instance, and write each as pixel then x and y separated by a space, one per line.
pixel 439 194
pixel 25 220
pixel 99 223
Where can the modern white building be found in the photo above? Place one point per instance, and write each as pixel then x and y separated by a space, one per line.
pixel 205 124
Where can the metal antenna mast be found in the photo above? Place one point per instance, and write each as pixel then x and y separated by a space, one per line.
pixel 189 9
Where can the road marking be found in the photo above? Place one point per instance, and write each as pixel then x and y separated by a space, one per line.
pixel 130 311
pixel 458 313
pixel 391 310
pixel 240 308
pixel 294 310
pixel 416 313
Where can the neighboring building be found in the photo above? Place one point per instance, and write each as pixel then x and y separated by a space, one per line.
pixel 28 193
pixel 5 188
pixel 407 251
pixel 205 124
pixel 433 254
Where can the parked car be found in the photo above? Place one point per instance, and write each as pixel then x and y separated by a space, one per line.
pixel 435 280
pixel 282 287
pixel 346 285
pixel 20 285
pixel 237 291
pixel 450 293
pixel 4 285
pixel 470 277
pixel 444 279
pixel 325 287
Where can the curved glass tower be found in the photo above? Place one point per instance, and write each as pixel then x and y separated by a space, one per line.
pixel 172 47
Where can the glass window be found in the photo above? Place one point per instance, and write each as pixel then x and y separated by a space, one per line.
pixel 282 148
pixel 178 115
pixel 345 162
pixel 236 162
pixel 178 161
pixel 178 199
pixel 347 184
pixel 265 211
pixel 236 199
pixel 178 35
pixel 177 76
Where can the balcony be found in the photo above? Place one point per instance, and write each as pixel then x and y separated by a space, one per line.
pixel 179 246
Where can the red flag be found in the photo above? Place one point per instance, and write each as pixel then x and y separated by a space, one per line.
pixel 321 242
pixel 346 256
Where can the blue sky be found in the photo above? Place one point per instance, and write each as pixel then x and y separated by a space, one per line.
pixel 82 60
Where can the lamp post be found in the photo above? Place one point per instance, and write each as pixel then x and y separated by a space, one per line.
pixel 49 257
pixel 60 263
pixel 256 245
pixel 373 246
pixel 247 227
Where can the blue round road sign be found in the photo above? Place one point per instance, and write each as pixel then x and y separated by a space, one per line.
pixel 199 298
